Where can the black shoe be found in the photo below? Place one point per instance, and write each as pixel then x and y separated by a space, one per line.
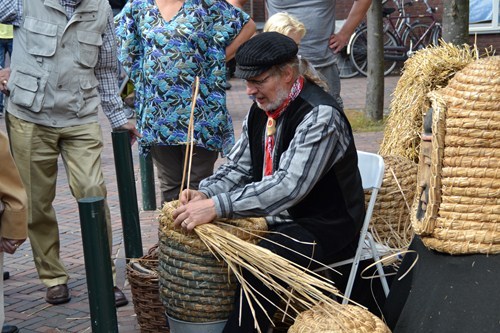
pixel 9 329
pixel 120 298
pixel 6 276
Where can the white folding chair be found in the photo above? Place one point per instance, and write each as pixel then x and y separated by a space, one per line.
pixel 371 166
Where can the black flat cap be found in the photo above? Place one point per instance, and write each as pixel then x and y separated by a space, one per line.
pixel 263 51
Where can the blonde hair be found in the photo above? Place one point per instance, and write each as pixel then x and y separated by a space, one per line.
pixel 284 23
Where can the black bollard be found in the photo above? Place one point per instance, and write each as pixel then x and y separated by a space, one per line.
pixel 127 194
pixel 98 265
pixel 147 182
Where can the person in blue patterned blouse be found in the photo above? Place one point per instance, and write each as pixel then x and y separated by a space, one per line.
pixel 163 46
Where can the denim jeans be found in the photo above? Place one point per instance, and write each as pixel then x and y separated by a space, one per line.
pixel 5 47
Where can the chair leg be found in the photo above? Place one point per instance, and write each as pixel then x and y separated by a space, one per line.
pixel 380 268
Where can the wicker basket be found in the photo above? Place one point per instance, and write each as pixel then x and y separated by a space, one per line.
pixel 142 275
pixel 195 286
pixel 463 213
pixel 391 224
pixel 342 319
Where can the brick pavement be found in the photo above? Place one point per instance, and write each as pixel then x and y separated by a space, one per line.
pixel 24 293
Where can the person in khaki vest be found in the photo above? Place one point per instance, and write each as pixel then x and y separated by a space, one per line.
pixel 62 74
pixel 13 215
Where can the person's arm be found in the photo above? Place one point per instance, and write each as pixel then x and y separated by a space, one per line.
pixel 4 78
pixel 356 15
pixel 245 34
pixel 237 3
pixel 233 173
pixel 11 11
pixel 320 140
pixel 106 72
pixel 14 201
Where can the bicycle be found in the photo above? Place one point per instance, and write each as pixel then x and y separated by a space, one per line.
pixel 345 65
pixel 401 37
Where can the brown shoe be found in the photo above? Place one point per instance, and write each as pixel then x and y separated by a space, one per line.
pixel 120 299
pixel 58 294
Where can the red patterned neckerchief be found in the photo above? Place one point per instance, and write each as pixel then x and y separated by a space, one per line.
pixel 271 124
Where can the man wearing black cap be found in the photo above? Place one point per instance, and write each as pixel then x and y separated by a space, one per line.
pixel 295 164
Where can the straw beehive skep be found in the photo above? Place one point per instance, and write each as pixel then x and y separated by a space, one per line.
pixel 463 211
pixel 305 288
pixel 390 224
pixel 425 71
pixel 190 276
pixel 320 319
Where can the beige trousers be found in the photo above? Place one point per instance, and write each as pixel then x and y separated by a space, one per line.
pixel 36 150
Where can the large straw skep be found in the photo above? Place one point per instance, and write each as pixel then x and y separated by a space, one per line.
pixel 463 212
pixel 347 318
pixel 391 223
pixel 427 70
pixel 142 274
pixel 196 286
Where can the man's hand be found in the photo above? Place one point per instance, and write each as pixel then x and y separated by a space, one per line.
pixel 338 41
pixel 10 245
pixel 194 213
pixel 191 195
pixel 134 134
pixel 4 78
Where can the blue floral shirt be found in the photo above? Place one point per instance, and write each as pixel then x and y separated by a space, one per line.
pixel 163 59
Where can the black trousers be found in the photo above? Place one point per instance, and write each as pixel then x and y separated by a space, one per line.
pixel 317 252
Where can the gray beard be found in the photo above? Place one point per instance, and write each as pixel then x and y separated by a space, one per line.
pixel 281 96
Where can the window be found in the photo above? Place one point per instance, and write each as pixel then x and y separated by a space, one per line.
pixel 484 16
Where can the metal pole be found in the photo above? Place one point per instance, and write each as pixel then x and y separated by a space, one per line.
pixel 98 265
pixel 127 194
pixel 147 182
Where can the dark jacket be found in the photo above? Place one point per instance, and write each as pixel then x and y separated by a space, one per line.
pixel 334 209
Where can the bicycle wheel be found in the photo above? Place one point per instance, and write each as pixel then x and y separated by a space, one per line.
pixel 418 37
pixel 346 67
pixel 359 51
pixel 437 33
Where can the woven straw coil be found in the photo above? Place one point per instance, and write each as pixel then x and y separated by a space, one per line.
pixel 143 278
pixel 348 318
pixel 463 215
pixel 196 286
pixel 390 223
pixel 427 70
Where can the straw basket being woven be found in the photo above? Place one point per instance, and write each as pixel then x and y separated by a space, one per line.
pixel 463 212
pixel 143 278
pixel 195 286
pixel 391 224
pixel 345 318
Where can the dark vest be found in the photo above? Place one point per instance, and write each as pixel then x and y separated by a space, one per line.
pixel 334 209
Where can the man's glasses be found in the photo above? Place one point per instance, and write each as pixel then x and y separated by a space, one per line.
pixel 259 83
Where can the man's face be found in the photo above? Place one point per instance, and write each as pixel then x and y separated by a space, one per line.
pixel 267 89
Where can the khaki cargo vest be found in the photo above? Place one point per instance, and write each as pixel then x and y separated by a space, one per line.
pixel 52 80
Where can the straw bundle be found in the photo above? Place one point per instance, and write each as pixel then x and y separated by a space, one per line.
pixel 463 213
pixel 142 274
pixel 427 70
pixel 349 318
pixel 391 224
pixel 196 286
pixel 305 288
